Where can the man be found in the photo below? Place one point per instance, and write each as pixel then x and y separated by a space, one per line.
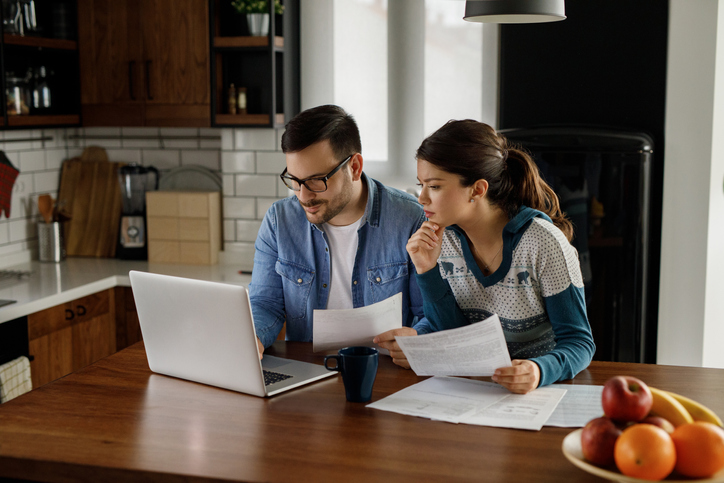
pixel 339 243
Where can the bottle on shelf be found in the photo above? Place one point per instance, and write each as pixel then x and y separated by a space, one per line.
pixel 241 100
pixel 41 91
pixel 232 99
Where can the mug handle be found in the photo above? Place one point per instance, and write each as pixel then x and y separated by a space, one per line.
pixel 338 358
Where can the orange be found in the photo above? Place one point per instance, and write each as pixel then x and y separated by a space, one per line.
pixel 645 451
pixel 699 449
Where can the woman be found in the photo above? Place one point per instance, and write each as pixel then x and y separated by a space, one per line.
pixel 496 242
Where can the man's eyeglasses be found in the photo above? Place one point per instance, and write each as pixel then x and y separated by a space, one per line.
pixel 315 184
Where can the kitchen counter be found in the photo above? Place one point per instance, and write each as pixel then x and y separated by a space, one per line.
pixel 51 284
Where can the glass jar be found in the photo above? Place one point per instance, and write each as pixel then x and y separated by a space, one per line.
pixel 17 95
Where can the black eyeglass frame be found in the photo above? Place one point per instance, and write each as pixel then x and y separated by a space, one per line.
pixel 287 177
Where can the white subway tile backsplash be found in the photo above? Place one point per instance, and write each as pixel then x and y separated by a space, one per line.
pixel 191 143
pixel 255 139
pixel 238 162
pixel 161 158
pixel 9 249
pixel 141 143
pixel 210 131
pixel 240 208
pixel 227 139
pixel 280 133
pixel 229 230
pixel 4 233
pixel 139 131
pixel 238 253
pixel 21 230
pixel 125 155
pixel 246 231
pixel 209 143
pixel 282 190
pixel 255 185
pixel 32 161
pixel 104 143
pixel 47 182
pixel 270 162
pixel 54 158
pixel 262 206
pixel 101 131
pixel 189 132
pixel 228 186
pixel 11 143
pixel 207 158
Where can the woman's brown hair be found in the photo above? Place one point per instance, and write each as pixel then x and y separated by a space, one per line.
pixel 473 150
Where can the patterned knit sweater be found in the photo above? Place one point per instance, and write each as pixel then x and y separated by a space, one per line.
pixel 537 292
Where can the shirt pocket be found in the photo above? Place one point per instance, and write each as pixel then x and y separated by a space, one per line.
pixel 297 282
pixel 388 279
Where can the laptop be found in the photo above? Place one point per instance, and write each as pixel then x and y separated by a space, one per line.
pixel 204 332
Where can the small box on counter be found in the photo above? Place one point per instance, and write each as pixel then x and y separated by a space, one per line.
pixel 184 227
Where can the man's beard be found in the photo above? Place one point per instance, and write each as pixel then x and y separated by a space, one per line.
pixel 333 207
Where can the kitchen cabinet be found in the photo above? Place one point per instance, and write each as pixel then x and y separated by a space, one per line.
pixel 144 62
pixel 266 66
pixel 40 64
pixel 70 336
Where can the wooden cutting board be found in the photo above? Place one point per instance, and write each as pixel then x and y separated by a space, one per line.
pixel 90 194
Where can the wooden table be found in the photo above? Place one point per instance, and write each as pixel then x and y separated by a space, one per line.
pixel 117 421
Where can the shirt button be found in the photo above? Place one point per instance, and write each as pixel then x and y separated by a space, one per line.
pixel 299 280
pixel 325 285
pixel 355 282
pixel 379 279
pixel 326 249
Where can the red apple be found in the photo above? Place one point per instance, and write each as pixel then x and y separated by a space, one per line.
pixel 663 423
pixel 598 440
pixel 626 398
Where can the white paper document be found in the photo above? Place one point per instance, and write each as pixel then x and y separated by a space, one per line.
pixel 467 401
pixel 337 328
pixel 580 404
pixel 473 350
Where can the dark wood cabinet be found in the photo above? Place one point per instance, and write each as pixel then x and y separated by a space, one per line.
pixel 70 336
pixel 39 54
pixel 267 67
pixel 144 62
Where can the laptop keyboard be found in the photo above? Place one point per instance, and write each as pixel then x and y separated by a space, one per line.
pixel 274 377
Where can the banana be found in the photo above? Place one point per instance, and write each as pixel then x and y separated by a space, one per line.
pixel 697 410
pixel 666 406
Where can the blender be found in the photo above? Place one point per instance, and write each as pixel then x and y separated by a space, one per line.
pixel 135 180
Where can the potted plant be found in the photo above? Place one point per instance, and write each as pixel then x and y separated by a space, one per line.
pixel 257 14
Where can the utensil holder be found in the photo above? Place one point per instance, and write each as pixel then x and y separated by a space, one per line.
pixel 51 246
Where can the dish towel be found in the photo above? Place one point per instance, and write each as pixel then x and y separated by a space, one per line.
pixel 15 379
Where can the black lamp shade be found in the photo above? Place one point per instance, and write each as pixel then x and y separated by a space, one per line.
pixel 514 11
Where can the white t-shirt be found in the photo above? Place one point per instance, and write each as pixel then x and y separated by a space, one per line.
pixel 343 242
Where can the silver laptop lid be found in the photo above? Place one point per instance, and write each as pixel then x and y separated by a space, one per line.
pixel 198 330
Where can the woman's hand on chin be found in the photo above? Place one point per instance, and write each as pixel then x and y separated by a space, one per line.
pixel 424 246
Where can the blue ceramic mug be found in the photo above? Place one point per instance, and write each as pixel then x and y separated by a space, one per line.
pixel 358 366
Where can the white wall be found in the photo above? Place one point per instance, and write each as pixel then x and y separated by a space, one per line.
pixel 691 307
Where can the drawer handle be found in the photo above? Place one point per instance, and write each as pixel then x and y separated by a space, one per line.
pixel 80 310
pixel 69 314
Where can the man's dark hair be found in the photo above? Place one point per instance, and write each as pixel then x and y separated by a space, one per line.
pixel 321 123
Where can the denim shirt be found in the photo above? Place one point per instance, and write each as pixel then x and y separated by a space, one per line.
pixel 292 263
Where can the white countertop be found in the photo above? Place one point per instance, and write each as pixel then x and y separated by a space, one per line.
pixel 52 284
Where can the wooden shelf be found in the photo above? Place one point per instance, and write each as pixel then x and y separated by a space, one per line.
pixel 248 119
pixel 228 42
pixel 25 41
pixel 57 120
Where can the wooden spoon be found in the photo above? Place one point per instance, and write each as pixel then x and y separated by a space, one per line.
pixel 45 206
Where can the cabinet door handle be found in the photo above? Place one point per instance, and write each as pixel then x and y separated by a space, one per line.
pixel 131 65
pixel 148 80
pixel 80 310
pixel 69 314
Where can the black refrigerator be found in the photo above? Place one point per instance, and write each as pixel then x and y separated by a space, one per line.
pixel 602 177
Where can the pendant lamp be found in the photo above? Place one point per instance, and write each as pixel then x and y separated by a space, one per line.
pixel 514 11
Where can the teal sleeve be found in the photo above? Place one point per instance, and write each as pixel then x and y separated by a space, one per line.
pixel 438 303
pixel 574 342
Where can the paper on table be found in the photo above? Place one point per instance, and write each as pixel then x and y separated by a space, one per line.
pixel 473 350
pixel 580 404
pixel 468 401
pixel 337 328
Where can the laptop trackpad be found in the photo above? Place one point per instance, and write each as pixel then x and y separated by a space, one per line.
pixel 271 362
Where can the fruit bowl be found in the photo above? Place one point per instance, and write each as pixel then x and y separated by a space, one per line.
pixel 572 451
